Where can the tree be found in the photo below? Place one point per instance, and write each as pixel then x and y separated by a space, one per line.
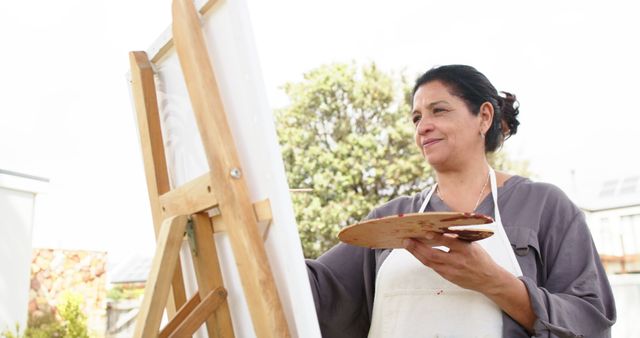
pixel 347 136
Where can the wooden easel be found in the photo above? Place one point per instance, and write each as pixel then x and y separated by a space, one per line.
pixel 184 209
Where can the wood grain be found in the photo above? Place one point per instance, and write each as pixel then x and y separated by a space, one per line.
pixel 192 197
pixel 207 306
pixel 389 232
pixel 262 210
pixel 168 44
pixel 159 281
pixel 155 164
pixel 180 316
pixel 209 276
pixel 236 210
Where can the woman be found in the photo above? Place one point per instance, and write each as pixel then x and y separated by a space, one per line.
pixel 539 275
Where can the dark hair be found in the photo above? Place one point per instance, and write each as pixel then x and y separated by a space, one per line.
pixel 475 89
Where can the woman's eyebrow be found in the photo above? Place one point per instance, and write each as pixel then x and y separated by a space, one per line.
pixel 430 105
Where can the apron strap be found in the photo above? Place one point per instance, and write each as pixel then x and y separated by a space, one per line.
pixel 494 193
pixel 423 207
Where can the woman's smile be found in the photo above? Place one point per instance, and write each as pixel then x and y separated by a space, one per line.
pixel 430 142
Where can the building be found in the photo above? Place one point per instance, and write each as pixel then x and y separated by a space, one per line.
pixel 18 200
pixel 613 215
pixel 127 280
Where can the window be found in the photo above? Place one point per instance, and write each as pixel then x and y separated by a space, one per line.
pixel 630 232
pixel 607 238
pixel 609 188
pixel 629 185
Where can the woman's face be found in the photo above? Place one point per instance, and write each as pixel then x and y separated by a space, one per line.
pixel 445 130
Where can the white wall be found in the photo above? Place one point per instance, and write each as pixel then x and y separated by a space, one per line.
pixel 626 291
pixel 17 201
pixel 614 227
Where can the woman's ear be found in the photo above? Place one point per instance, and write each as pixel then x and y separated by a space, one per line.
pixel 485 114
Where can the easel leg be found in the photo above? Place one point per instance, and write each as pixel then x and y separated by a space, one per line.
pixel 144 93
pixel 159 282
pixel 209 276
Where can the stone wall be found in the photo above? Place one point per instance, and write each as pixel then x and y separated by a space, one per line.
pixel 54 272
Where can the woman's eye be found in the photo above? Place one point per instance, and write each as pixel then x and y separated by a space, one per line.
pixel 438 110
pixel 415 118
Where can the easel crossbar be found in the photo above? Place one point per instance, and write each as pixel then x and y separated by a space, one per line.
pixel 193 319
pixel 223 190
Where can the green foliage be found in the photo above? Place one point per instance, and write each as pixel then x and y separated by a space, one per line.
pixel 119 292
pixel 500 161
pixel 74 321
pixel 348 136
pixel 9 334
pixel 43 326
pixel 71 324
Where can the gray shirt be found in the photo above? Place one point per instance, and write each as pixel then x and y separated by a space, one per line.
pixel 567 284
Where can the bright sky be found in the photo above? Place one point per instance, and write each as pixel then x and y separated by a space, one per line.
pixel 66 111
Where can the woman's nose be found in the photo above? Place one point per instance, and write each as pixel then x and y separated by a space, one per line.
pixel 424 125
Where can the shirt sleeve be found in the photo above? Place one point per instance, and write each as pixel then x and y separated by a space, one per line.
pixel 576 299
pixel 342 282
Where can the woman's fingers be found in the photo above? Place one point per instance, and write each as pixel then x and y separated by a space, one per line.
pixel 451 241
pixel 425 252
pixel 466 264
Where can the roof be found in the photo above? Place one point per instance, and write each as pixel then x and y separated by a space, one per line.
pixel 23 175
pixel 133 269
pixel 22 182
pixel 613 193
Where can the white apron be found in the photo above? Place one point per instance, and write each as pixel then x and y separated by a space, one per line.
pixel 412 300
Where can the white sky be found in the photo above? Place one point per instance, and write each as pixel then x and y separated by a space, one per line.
pixel 66 111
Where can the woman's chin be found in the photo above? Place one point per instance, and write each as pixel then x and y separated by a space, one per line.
pixel 433 159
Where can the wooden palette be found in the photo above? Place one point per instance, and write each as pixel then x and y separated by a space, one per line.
pixel 389 232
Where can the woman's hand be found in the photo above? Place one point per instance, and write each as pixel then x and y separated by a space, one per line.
pixel 466 264
pixel 469 266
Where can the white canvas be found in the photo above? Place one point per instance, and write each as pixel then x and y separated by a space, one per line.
pixel 231 48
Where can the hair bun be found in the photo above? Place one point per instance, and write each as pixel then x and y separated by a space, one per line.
pixel 509 106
